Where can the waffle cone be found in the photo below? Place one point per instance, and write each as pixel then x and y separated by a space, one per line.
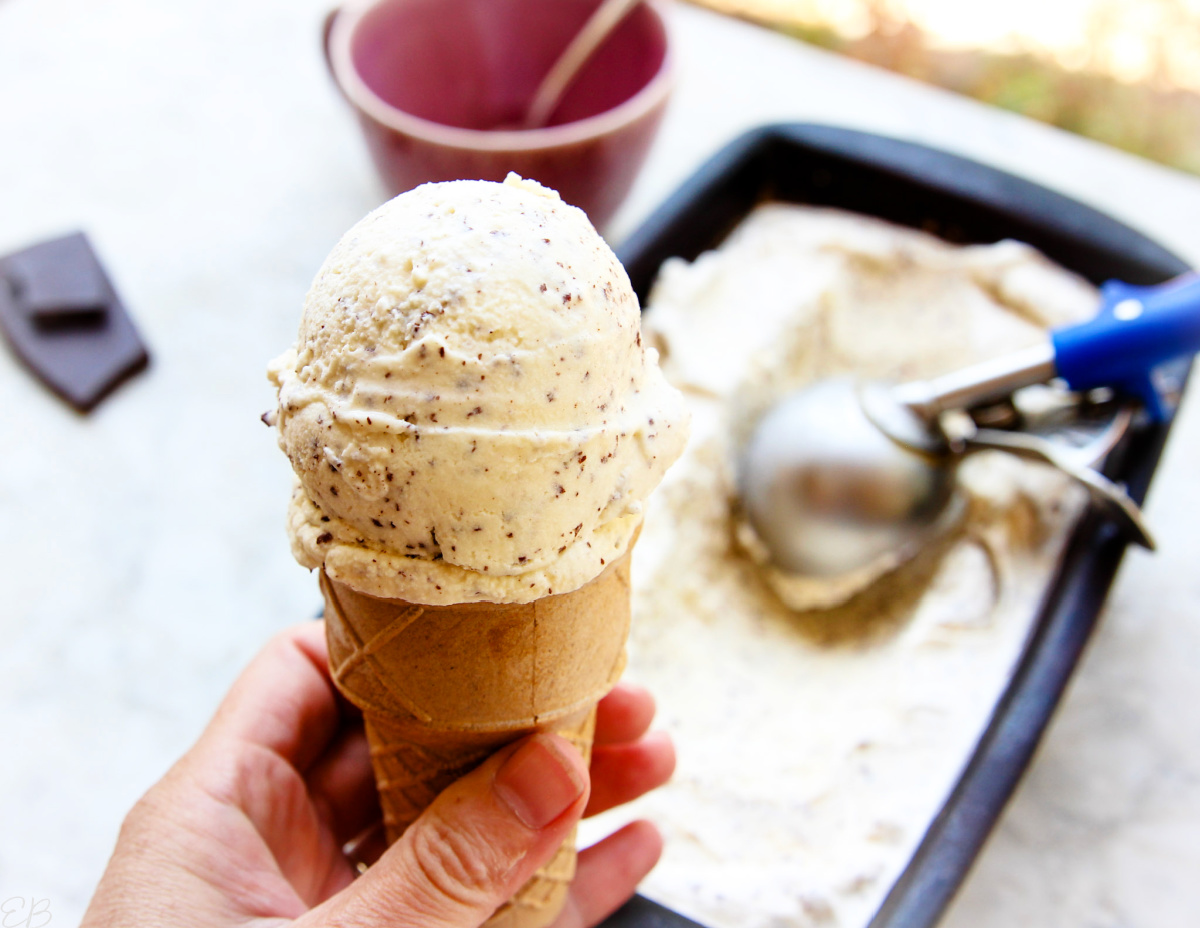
pixel 443 687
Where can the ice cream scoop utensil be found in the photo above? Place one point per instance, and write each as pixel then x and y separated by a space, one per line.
pixel 840 476
pixel 1076 463
pixel 606 17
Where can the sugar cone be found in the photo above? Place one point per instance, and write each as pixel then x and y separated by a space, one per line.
pixel 442 687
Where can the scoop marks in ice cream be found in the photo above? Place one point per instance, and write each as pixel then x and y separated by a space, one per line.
pixel 469 407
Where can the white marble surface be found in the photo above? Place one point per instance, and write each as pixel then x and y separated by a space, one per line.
pixel 202 147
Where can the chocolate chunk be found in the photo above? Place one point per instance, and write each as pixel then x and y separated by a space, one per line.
pixel 64 319
pixel 59 283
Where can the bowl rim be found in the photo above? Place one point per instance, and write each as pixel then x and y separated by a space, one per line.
pixel 344 21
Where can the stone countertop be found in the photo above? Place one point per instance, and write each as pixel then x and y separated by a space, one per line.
pixel 205 152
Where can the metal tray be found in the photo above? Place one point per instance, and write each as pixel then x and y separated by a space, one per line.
pixel 963 202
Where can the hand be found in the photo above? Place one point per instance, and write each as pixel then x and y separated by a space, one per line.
pixel 251 824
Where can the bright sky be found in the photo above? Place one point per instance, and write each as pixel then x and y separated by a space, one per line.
pixel 1123 37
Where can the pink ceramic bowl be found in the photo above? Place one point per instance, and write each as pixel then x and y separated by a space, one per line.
pixel 439 84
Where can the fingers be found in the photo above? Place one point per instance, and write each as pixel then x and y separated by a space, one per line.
pixel 623 772
pixel 476 845
pixel 608 873
pixel 284 700
pixel 626 761
pixel 624 714
pixel 342 785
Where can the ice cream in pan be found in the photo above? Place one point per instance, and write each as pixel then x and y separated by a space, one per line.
pixel 474 423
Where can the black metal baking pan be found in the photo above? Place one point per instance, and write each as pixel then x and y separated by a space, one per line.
pixel 961 201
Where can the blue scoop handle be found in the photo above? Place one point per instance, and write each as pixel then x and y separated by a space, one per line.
pixel 1136 329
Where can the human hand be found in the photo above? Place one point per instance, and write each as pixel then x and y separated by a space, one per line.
pixel 250 826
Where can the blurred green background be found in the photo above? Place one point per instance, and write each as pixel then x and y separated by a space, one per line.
pixel 1122 72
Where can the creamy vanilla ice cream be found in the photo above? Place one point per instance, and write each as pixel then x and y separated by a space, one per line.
pixel 815 747
pixel 469 407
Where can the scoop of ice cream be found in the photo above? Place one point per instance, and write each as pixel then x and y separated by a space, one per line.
pixel 469 407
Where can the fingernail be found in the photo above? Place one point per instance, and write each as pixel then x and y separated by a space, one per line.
pixel 539 782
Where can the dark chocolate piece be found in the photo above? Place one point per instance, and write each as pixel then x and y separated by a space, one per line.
pixel 64 319
pixel 59 282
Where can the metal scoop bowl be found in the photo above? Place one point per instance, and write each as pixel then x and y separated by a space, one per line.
pixel 843 475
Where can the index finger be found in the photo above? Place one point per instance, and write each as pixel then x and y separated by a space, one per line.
pixel 624 714
pixel 284 700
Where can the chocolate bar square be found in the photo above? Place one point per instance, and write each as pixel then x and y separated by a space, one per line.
pixel 64 319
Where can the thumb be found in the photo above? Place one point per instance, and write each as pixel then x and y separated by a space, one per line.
pixel 478 843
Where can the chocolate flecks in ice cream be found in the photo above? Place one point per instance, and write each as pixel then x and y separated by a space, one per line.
pixel 457 370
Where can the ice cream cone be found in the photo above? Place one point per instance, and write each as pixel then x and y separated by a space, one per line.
pixel 475 424
pixel 443 687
